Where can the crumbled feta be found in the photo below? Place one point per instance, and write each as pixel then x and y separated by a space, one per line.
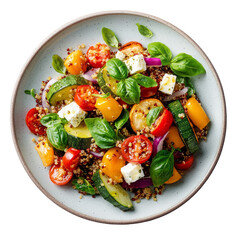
pixel 136 64
pixel 120 55
pixel 168 83
pixel 132 172
pixel 73 113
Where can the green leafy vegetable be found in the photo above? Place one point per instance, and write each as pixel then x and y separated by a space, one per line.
pixel 153 115
pixel 159 50
pixel 83 185
pixel 102 132
pixel 117 68
pixel 102 95
pixel 57 136
pixel 31 92
pixel 129 91
pixel 109 37
pixel 144 31
pixel 185 65
pixel 122 119
pixel 144 80
pixel 161 168
pixel 58 64
pixel 51 119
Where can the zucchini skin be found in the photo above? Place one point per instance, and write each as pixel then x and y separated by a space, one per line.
pixel 102 83
pixel 184 126
pixel 105 194
pixel 78 143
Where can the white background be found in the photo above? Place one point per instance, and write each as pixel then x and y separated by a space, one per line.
pixel 212 213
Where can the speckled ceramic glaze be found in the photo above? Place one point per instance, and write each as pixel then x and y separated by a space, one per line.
pixel 87 30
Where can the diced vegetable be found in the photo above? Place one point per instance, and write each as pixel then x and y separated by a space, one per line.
pixel 158 144
pixel 64 89
pixel 132 48
pixel 175 177
pixel 109 108
pixel 184 126
pixel 76 63
pixel 153 62
pixel 196 113
pixel 114 194
pixel 79 137
pixel 173 138
pixel 139 113
pixel 112 163
pixel 46 153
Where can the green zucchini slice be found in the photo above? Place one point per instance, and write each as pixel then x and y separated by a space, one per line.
pixel 184 126
pixel 114 194
pixel 106 82
pixel 79 137
pixel 63 89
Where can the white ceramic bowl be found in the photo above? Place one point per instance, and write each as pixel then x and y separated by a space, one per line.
pixel 87 30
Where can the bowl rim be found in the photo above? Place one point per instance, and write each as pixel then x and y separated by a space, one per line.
pixel 88 17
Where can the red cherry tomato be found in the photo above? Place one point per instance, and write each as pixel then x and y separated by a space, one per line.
pixel 122 103
pixel 70 159
pixel 33 122
pixel 137 149
pixel 98 55
pixel 59 175
pixel 162 124
pixel 83 97
pixel 185 164
pixel 148 92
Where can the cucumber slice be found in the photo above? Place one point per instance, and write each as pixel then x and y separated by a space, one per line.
pixel 114 194
pixel 79 137
pixel 63 89
pixel 184 126
pixel 106 82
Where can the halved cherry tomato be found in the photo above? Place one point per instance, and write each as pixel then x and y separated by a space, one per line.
pixel 185 164
pixel 33 122
pixel 137 149
pixel 70 159
pixel 59 174
pixel 162 124
pixel 98 55
pixel 76 63
pixel 83 97
pixel 148 92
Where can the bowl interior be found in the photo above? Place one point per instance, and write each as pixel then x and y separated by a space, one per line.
pixel 88 31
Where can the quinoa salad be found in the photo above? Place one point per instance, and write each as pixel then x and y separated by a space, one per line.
pixel 118 120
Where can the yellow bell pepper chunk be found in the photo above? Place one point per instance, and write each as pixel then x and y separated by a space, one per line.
pixel 173 138
pixel 196 113
pixel 45 152
pixel 109 108
pixel 175 177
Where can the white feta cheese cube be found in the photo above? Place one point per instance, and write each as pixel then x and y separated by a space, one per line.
pixel 73 113
pixel 168 83
pixel 120 55
pixel 132 172
pixel 136 64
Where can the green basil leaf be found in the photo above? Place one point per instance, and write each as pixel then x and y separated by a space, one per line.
pixel 161 168
pixel 160 50
pixel 144 80
pixel 58 64
pixel 188 83
pixel 122 119
pixel 117 68
pixel 52 118
pixel 153 115
pixel 102 132
pixel 119 135
pixel 83 185
pixel 185 65
pixel 144 31
pixel 129 91
pixel 57 136
pixel 31 92
pixel 109 37
pixel 102 95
